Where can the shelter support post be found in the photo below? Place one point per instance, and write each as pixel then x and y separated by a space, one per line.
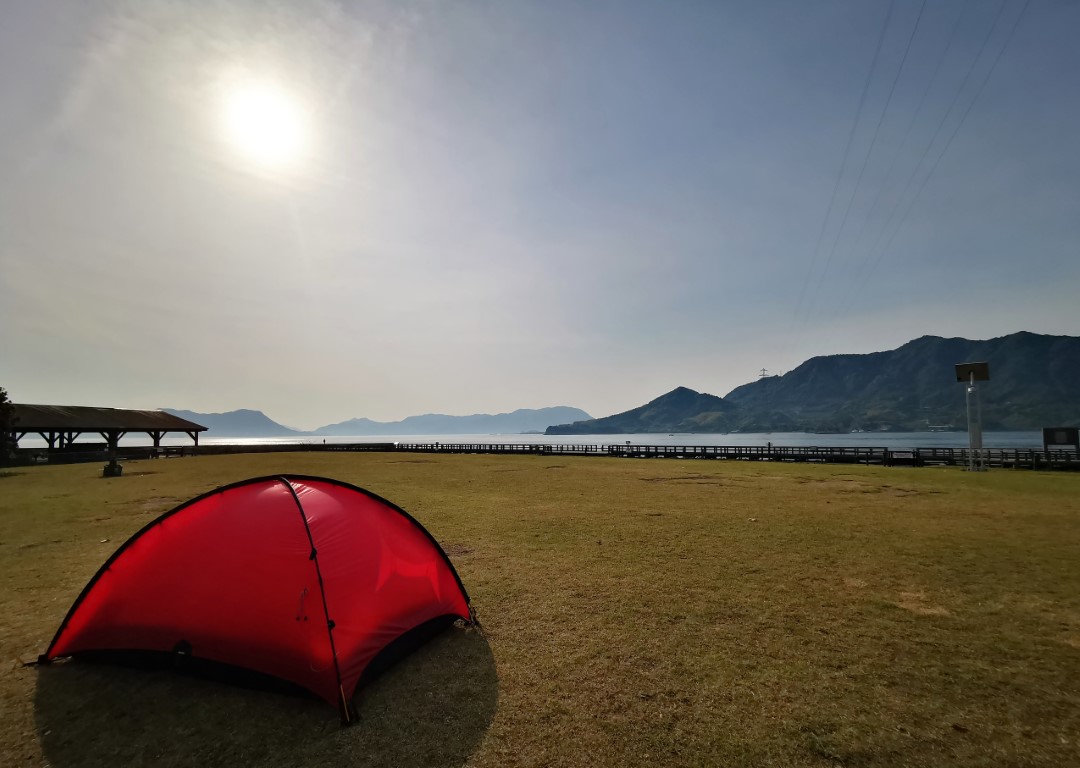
pixel 50 438
pixel 113 468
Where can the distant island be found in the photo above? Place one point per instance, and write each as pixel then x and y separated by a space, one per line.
pixel 1035 382
pixel 251 423
pixel 516 422
pixel 240 423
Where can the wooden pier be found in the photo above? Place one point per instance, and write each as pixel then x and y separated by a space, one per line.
pixel 1005 458
pixel 1000 458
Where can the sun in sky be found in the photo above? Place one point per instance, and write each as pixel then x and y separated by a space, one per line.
pixel 265 123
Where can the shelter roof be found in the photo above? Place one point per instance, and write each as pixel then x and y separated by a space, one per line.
pixel 81 418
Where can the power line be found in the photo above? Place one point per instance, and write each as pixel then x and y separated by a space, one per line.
pixel 859 276
pixel 956 130
pixel 869 152
pixel 843 163
pixel 879 252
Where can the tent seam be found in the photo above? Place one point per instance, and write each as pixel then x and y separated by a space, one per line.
pixel 346 715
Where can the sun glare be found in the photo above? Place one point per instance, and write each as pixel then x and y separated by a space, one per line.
pixel 265 123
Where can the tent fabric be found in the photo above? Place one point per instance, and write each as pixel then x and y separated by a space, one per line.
pixel 303 578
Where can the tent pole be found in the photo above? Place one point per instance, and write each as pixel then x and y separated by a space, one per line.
pixel 347 714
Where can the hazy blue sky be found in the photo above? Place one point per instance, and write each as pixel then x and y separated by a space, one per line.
pixel 479 206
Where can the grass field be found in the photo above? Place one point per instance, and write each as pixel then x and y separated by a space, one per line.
pixel 636 612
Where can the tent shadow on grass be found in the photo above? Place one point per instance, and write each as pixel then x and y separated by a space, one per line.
pixel 430 709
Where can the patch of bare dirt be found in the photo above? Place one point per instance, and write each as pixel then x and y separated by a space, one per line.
pixel 685 479
pixel 457 550
pixel 894 491
pixel 917 602
pixel 158 503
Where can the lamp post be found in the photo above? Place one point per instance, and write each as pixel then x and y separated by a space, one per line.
pixel 970 373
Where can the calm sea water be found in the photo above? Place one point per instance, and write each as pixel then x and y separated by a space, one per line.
pixel 892 440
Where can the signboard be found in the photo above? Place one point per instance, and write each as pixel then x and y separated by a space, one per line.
pixel 1061 436
pixel 981 371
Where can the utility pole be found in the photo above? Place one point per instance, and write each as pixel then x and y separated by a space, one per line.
pixel 969 373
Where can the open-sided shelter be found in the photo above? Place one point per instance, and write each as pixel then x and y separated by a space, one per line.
pixel 303 578
pixel 61 425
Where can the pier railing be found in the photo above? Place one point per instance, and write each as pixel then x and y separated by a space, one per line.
pixel 1007 458
pixel 915 457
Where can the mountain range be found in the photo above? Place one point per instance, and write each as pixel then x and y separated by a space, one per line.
pixel 516 422
pixel 1035 382
pixel 249 423
pixel 681 410
pixel 241 423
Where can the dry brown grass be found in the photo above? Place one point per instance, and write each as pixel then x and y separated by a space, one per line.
pixel 636 612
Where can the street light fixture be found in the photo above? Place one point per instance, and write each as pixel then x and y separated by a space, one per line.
pixel 970 373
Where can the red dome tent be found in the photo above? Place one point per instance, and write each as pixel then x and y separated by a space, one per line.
pixel 302 578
